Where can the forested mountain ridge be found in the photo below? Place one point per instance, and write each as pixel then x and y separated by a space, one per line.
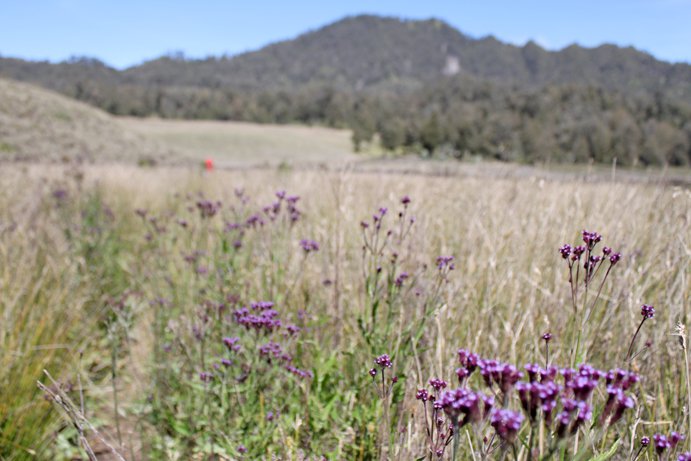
pixel 370 51
pixel 367 51
pixel 414 85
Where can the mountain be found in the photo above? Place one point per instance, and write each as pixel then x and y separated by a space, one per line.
pixel 39 125
pixel 371 51
pixel 414 86
pixel 375 52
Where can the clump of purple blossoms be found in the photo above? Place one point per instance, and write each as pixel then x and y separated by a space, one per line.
pixel 504 375
pixel 303 374
pixel 469 362
pixel 647 311
pixel 464 406
pixel 232 344
pixel 506 423
pixel 562 405
pixel 445 262
pixel 538 396
pixel 261 305
pixel 266 320
pixel 675 438
pixel 437 384
pixel 591 238
pixel 400 279
pixel 207 208
pixel 384 361
pixel 661 443
pixel 309 246
pixel 273 351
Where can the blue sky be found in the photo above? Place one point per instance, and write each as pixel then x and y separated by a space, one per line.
pixel 126 32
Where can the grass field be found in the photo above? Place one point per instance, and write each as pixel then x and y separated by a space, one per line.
pixel 130 284
pixel 249 145
pixel 232 144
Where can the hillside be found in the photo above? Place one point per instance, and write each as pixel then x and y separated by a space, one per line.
pixel 373 52
pixel 40 125
pixel 414 87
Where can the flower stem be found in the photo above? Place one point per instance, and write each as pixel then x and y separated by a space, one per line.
pixel 455 440
pixel 628 354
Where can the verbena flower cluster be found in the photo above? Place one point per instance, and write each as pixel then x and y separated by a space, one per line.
pixel 585 256
pixel 247 355
pixel 560 399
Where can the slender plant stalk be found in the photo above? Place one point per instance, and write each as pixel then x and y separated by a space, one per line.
pixel 629 359
pixel 681 334
pixel 455 440
pixel 114 376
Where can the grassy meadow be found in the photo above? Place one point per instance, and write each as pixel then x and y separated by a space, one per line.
pixel 239 144
pixel 238 315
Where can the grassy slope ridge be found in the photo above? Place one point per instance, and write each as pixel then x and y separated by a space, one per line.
pixel 36 124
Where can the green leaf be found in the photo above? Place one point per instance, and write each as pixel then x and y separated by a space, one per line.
pixel 609 453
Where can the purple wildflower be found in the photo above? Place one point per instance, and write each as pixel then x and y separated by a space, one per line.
pixel 309 245
pixel 262 305
pixel 565 250
pixel 292 329
pixel 384 361
pixel 304 374
pixel 576 252
pixel 437 384
pixel 507 423
pixel 675 438
pixel 473 406
pixel 647 311
pixel 468 360
pixel 207 208
pixel 504 375
pixel 591 238
pixel 400 279
pixel 445 262
pixel 661 443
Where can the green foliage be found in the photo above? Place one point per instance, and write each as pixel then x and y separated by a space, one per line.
pixel 6 148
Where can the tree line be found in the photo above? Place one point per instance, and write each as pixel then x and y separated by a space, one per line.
pixel 454 118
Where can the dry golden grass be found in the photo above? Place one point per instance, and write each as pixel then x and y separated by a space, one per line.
pixel 232 144
pixel 40 125
pixel 509 286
